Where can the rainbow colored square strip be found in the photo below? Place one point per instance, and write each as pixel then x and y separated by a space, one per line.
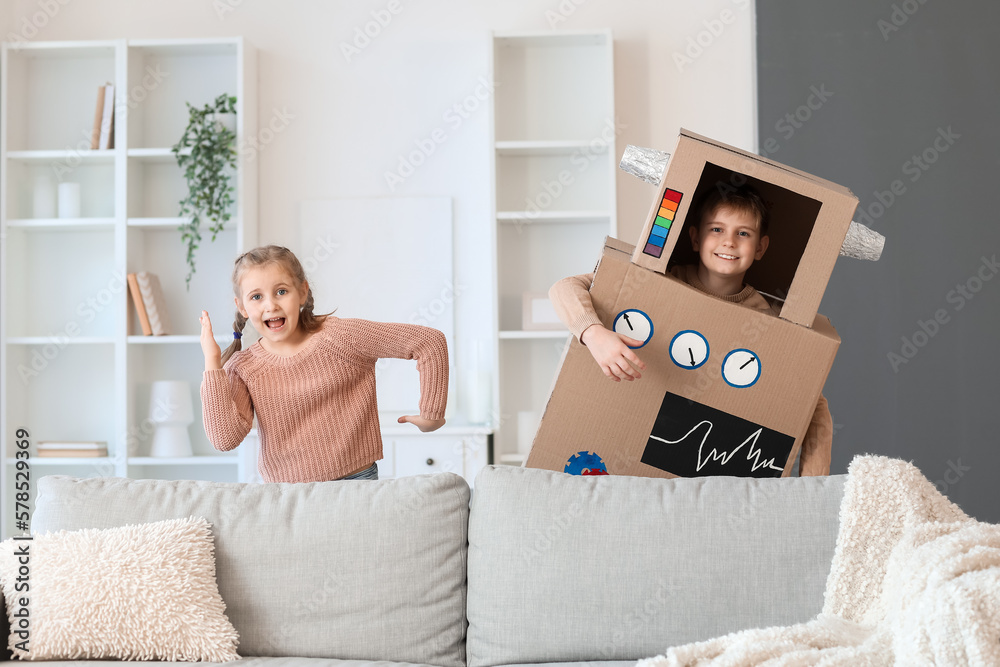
pixel 664 218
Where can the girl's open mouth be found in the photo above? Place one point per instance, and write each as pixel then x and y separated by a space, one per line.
pixel 275 323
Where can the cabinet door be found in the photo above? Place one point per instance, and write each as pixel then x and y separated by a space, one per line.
pixel 422 454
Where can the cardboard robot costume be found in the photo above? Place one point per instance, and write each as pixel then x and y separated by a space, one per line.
pixel 727 390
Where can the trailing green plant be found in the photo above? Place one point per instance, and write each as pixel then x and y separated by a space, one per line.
pixel 207 154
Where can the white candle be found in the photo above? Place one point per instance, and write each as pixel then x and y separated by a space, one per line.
pixel 69 200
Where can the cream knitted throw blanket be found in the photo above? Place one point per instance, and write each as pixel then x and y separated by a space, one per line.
pixel 914 581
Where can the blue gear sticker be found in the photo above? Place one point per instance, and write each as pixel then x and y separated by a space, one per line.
pixel 585 463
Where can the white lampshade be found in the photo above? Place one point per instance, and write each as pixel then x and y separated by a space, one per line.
pixel 171 410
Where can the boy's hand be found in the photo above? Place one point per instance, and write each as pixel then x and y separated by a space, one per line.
pixel 209 347
pixel 611 352
pixel 425 425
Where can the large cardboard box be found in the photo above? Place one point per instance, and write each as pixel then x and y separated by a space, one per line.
pixel 727 390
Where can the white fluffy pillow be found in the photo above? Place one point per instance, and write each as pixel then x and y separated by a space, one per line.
pixel 144 592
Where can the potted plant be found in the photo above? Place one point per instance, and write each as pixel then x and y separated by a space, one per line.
pixel 207 154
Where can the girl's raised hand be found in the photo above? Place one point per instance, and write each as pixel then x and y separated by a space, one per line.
pixel 209 347
pixel 424 425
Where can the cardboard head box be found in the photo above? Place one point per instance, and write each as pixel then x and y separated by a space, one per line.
pixel 727 390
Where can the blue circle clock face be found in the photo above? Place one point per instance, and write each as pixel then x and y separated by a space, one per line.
pixel 586 463
pixel 741 368
pixel 634 324
pixel 689 349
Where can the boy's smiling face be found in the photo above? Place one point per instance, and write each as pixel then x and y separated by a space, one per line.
pixel 728 242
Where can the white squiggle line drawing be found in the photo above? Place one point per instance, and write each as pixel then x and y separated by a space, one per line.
pixel 714 455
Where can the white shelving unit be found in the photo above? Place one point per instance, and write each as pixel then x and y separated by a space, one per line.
pixel 554 161
pixel 71 364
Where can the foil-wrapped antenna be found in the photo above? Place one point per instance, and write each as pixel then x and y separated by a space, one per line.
pixel 648 164
pixel 862 243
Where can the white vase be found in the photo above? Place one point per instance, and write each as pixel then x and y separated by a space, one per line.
pixel 69 200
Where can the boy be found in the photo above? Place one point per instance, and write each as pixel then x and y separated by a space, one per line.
pixel 730 236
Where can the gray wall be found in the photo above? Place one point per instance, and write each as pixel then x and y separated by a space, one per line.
pixel 890 95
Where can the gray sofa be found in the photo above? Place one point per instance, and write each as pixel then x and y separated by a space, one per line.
pixel 543 567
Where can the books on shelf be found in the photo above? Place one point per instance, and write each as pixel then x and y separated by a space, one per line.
pixel 147 297
pixel 95 135
pixel 140 307
pixel 103 134
pixel 72 449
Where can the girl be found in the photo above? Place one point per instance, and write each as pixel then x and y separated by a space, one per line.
pixel 310 378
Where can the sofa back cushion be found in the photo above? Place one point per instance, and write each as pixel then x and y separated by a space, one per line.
pixel 364 570
pixel 570 568
pixel 5 653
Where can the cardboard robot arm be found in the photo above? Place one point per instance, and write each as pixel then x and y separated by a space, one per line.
pixel 648 164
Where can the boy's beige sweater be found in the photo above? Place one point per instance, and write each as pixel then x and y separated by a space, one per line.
pixel 571 298
pixel 317 417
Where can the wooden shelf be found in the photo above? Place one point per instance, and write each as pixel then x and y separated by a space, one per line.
pixel 194 46
pixel 206 460
pixel 106 156
pixel 157 223
pixel 533 335
pixel 548 38
pixel 553 217
pixel 175 339
pixel 155 155
pixel 63 340
pixel 63 224
pixel 64 461
pixel 68 49
pixel 562 147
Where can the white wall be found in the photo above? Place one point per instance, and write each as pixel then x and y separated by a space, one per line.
pixel 352 120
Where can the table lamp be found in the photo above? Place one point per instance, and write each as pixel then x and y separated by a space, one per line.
pixel 171 411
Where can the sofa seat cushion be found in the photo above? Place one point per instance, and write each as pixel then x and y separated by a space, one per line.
pixel 314 662
pixel 565 567
pixel 363 570
pixel 578 663
pixel 243 662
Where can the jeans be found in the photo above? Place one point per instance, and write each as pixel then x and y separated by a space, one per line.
pixel 370 472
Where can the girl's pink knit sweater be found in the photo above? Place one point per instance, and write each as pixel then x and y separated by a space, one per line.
pixel 317 418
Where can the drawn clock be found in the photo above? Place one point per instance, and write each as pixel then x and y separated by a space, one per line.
pixel 689 349
pixel 635 324
pixel 741 368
